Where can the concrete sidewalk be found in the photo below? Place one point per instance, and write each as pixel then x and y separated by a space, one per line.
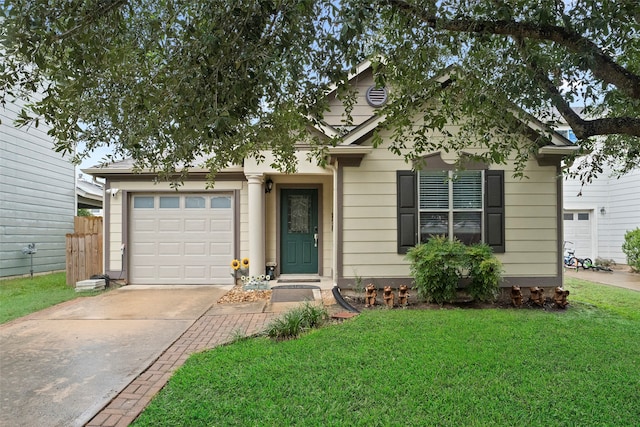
pixel 60 366
pixel 621 277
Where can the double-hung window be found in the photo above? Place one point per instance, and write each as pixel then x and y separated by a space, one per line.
pixel 451 204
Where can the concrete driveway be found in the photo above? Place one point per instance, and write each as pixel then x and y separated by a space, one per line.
pixel 60 366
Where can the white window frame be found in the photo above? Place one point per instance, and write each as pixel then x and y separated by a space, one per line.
pixel 451 176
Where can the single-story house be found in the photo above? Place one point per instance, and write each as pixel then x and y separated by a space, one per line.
pixel 355 218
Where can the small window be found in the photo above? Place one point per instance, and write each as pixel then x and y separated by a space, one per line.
pixel 143 202
pixel 221 202
pixel 193 202
pixel 583 216
pixel 568 217
pixel 169 202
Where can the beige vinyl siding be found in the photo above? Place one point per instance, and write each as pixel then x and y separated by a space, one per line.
pixel 369 218
pixel 370 224
pixel 361 111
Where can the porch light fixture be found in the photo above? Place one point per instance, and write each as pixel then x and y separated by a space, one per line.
pixel 603 210
pixel 268 186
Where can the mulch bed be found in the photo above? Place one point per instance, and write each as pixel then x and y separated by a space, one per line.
pixel 359 303
pixel 237 295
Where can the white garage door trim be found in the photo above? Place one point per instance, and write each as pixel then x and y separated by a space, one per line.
pixel 181 239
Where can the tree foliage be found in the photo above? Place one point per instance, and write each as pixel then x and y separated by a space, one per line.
pixel 171 81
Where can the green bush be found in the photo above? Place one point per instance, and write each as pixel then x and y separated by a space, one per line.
pixel 631 248
pixel 436 267
pixel 439 264
pixel 296 321
pixel 485 272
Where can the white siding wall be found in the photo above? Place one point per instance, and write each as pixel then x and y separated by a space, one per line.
pixel 621 200
pixel 370 224
pixel 37 197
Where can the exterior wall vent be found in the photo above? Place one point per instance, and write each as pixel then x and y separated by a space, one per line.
pixel 376 96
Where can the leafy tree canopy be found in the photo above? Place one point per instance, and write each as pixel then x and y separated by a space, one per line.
pixel 170 81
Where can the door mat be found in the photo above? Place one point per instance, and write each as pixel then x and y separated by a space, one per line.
pixel 295 287
pixel 279 294
pixel 298 280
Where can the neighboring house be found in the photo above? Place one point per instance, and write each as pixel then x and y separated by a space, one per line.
pixel 598 214
pixel 597 220
pixel 354 218
pixel 37 198
pixel 89 195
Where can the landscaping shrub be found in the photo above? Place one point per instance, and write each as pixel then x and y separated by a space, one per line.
pixel 296 321
pixel 439 264
pixel 436 267
pixel 631 248
pixel 485 272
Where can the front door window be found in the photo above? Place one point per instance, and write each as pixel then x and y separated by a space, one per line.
pixel 299 213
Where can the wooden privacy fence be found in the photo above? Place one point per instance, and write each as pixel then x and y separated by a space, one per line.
pixel 84 250
pixel 87 224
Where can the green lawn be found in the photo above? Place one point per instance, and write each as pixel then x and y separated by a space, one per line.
pixel 434 367
pixel 19 297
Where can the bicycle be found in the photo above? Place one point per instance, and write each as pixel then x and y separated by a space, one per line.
pixel 571 261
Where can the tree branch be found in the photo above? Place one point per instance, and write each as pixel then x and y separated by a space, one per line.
pixel 581 127
pixel 604 67
pixel 90 18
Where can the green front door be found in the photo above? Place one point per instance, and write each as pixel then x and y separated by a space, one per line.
pixel 299 231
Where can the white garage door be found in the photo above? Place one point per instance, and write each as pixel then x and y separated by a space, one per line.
pixel 577 229
pixel 181 239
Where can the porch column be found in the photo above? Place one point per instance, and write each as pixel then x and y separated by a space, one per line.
pixel 256 225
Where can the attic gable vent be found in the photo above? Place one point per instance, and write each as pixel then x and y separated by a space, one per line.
pixel 376 96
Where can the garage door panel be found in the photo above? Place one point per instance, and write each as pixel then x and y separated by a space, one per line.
pixel 144 248
pixel 195 225
pixel 195 272
pixel 168 248
pixel 146 273
pixel 578 230
pixel 224 249
pixel 195 248
pixel 182 245
pixel 170 272
pixel 169 225
pixel 221 224
pixel 142 225
pixel 220 272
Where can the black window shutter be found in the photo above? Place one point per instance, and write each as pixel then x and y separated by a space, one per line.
pixel 407 211
pixel 494 210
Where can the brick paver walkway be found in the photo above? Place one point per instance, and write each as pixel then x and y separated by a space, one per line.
pixel 207 332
